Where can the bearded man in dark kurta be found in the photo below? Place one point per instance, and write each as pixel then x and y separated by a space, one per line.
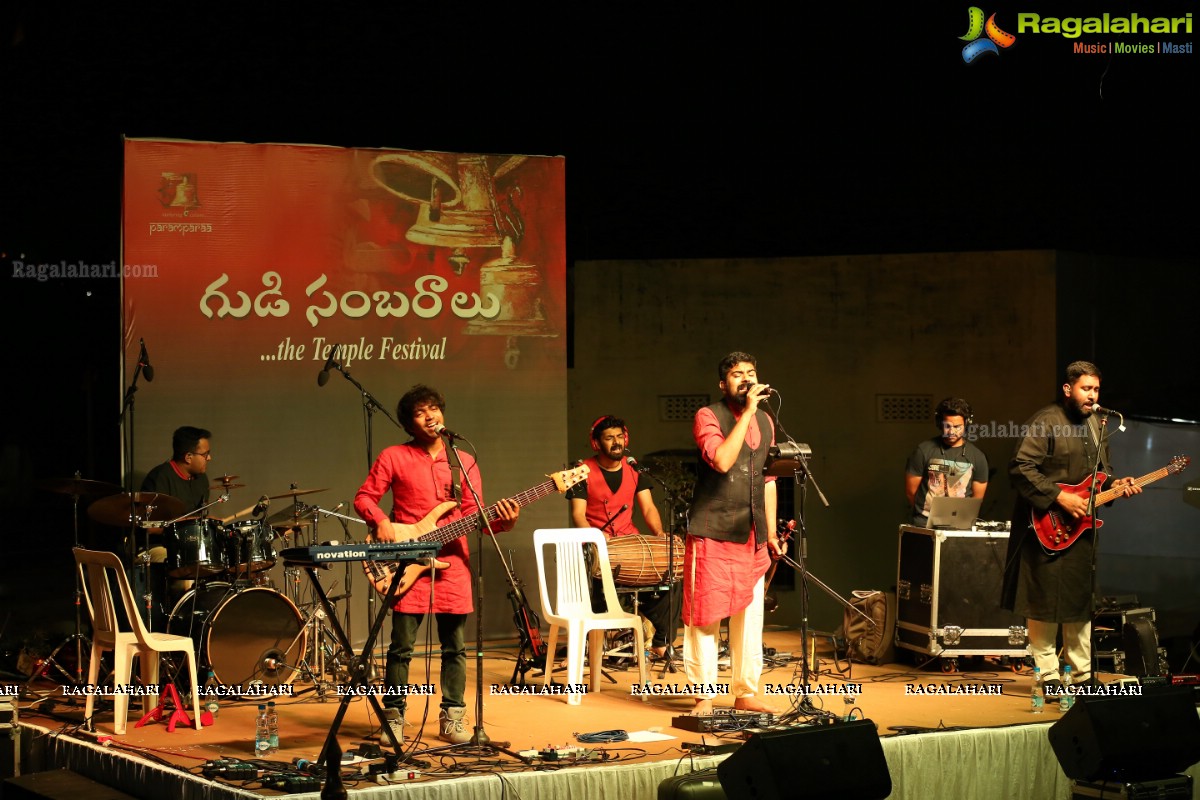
pixel 1059 445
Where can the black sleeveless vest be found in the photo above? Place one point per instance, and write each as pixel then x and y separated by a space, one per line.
pixel 725 506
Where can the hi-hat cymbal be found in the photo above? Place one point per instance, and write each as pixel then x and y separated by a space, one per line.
pixel 81 487
pixel 223 485
pixel 294 492
pixel 292 524
pixel 117 509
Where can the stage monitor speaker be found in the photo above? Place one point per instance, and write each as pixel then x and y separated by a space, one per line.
pixel 843 761
pixel 1150 736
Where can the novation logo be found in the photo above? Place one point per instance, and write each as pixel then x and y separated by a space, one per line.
pixel 983 37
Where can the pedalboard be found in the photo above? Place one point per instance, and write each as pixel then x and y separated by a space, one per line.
pixel 723 721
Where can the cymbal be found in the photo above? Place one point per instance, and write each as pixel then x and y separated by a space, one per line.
pixel 220 485
pixel 287 526
pixel 116 509
pixel 81 487
pixel 296 493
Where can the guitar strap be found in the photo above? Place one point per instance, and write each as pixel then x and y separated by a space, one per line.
pixel 456 485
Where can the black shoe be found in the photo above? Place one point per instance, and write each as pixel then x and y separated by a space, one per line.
pixel 1052 688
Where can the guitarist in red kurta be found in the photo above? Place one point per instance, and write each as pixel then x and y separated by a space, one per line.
pixel 1058 445
pixel 418 475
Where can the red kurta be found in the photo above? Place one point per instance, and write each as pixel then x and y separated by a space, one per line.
pixel 418 483
pixel 719 577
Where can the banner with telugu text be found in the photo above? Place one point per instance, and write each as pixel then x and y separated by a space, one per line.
pixel 255 260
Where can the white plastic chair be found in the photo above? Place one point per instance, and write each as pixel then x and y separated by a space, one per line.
pixel 572 607
pixel 94 570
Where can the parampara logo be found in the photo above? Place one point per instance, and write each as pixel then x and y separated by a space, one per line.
pixel 977 28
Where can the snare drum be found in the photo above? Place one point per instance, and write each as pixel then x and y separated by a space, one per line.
pixel 195 548
pixel 250 547
pixel 639 560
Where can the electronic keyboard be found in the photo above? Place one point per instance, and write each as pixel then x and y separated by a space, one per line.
pixel 318 554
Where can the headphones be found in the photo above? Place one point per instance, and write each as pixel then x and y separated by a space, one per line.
pixel 592 431
pixel 953 407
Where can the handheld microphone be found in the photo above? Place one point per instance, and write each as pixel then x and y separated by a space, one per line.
pixel 633 462
pixel 306 766
pixel 1099 409
pixel 444 431
pixel 330 363
pixel 144 361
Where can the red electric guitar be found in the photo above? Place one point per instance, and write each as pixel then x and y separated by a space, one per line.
pixel 1057 530
pixel 380 573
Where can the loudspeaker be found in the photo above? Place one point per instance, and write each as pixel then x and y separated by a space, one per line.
pixel 1128 737
pixel 843 761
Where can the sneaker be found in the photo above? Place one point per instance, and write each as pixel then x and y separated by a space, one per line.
pixel 393 718
pixel 452 725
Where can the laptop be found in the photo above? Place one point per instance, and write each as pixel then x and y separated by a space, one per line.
pixel 954 513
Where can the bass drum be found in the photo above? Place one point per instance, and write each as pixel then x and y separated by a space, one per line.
pixel 247 637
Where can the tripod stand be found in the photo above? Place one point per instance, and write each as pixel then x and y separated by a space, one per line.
pixel 76 488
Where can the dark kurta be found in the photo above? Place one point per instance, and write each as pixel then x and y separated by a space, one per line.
pixel 1055 588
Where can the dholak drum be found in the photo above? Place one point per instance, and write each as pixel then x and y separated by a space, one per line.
pixel 195 548
pixel 639 560
pixel 250 547
pixel 247 637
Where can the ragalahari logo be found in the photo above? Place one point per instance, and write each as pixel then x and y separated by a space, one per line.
pixel 976 28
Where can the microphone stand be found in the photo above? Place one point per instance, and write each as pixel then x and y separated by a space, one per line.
pixel 1101 443
pixel 802 475
pixel 127 410
pixel 669 654
pixel 370 405
pixel 479 739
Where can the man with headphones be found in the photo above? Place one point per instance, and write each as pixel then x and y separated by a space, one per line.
pixel 946 465
pixel 605 501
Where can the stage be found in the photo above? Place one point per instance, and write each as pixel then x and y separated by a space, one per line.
pixel 964 734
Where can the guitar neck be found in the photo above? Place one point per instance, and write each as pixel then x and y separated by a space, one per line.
pixel 464 525
pixel 1116 491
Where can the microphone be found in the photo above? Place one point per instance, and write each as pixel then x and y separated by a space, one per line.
pixel 307 767
pixel 633 462
pixel 330 363
pixel 144 362
pixel 261 506
pixel 1099 409
pixel 444 431
pixel 335 509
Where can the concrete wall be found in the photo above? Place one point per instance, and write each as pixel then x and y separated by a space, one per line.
pixel 831 334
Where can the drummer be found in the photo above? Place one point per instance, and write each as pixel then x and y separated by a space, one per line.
pixel 184 476
pixel 605 501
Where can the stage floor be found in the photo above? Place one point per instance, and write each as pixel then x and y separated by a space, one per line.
pixel 898 698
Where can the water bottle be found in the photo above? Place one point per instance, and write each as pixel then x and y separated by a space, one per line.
pixel 211 704
pixel 1037 698
pixel 262 737
pixel 1066 699
pixel 272 727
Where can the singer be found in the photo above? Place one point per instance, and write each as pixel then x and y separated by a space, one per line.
pixel 946 465
pixel 731 535
pixel 1050 591
pixel 605 501
pixel 418 475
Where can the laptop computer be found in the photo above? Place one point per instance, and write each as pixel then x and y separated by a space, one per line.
pixel 953 513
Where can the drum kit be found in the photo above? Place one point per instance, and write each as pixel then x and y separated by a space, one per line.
pixel 213 575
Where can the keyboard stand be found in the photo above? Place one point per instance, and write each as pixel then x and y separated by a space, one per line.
pixel 331 753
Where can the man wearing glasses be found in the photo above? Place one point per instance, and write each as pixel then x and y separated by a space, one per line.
pixel 946 465
pixel 184 476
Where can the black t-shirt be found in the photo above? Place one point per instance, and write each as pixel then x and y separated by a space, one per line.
pixel 165 480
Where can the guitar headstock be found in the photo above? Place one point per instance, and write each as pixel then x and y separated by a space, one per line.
pixel 1179 463
pixel 569 477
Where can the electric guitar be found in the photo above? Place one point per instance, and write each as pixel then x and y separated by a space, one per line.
pixel 1057 530
pixel 380 573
